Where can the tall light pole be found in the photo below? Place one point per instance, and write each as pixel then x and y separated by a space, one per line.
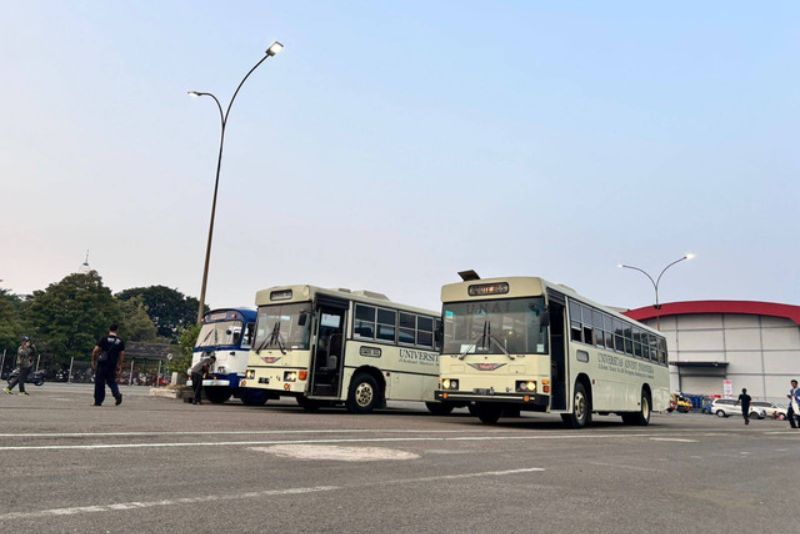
pixel 657 281
pixel 273 50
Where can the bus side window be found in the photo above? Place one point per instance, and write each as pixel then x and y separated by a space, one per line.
pixel 247 338
pixel 588 336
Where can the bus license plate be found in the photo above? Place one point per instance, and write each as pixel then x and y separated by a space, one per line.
pixel 484 391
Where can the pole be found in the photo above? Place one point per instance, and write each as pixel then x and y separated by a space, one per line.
pixel 158 374
pixel 38 359
pixel 71 363
pixel 224 122
pixel 3 362
pixel 130 379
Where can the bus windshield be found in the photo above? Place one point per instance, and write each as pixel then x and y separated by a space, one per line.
pixel 283 326
pixel 510 326
pixel 220 333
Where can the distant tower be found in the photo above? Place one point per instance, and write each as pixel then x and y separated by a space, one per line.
pixel 85 265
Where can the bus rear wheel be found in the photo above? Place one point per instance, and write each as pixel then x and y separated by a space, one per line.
pixel 364 394
pixel 218 395
pixel 642 417
pixel 581 415
pixel 488 413
pixel 439 408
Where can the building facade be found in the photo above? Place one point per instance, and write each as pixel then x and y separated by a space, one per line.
pixel 719 347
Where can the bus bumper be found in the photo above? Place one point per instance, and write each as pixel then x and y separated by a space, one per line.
pixel 535 401
pixel 226 381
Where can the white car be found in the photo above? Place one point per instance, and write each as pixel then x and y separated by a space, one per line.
pixel 771 409
pixel 729 407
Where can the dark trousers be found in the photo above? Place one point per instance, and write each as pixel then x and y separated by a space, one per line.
pixel 197 386
pixel 746 415
pixel 20 379
pixel 105 375
pixel 791 416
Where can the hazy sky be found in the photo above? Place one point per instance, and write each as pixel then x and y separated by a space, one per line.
pixel 393 144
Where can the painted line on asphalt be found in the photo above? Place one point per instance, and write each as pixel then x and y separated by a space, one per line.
pixel 242 433
pixel 138 505
pixel 628 467
pixel 329 440
pixel 676 440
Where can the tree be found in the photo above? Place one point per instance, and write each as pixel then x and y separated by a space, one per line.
pixel 170 310
pixel 11 329
pixel 69 316
pixel 135 322
pixel 183 357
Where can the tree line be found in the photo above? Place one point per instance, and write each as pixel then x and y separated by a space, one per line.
pixel 68 317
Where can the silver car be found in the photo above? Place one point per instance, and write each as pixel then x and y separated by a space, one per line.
pixel 729 407
pixel 770 409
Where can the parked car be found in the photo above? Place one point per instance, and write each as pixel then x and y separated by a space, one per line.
pixel 729 407
pixel 683 404
pixel 770 409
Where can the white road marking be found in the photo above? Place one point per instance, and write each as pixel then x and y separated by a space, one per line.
pixel 241 433
pixel 137 505
pixel 676 440
pixel 336 453
pixel 526 437
pixel 628 467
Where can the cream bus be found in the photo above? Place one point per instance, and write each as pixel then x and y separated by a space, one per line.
pixel 525 343
pixel 332 346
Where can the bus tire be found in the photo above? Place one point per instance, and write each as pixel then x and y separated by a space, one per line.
pixel 364 394
pixel 254 398
pixel 581 415
pixel 439 408
pixel 512 411
pixel 218 395
pixel 489 414
pixel 473 409
pixel 642 417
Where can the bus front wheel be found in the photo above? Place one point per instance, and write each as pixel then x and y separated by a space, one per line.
pixel 218 395
pixel 254 398
pixel 307 404
pixel 364 394
pixel 488 413
pixel 581 415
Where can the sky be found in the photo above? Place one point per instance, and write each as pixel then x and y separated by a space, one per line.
pixel 392 144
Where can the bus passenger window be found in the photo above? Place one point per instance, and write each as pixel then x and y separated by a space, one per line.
pixel 364 325
pixel 576 332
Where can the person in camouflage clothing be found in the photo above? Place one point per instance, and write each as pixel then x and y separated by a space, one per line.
pixel 25 354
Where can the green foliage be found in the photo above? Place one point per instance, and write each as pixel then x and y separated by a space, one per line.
pixel 182 359
pixel 11 328
pixel 170 310
pixel 71 315
pixel 136 324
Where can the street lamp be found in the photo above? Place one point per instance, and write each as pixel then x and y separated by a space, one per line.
pixel 656 282
pixel 273 49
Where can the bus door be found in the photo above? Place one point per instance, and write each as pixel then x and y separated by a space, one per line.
pixel 558 353
pixel 327 359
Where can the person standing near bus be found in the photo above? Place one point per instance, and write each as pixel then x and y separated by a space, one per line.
pixel 744 400
pixel 198 372
pixel 107 359
pixel 25 354
pixel 794 400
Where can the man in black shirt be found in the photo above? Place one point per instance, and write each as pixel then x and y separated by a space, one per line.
pixel 107 359
pixel 744 400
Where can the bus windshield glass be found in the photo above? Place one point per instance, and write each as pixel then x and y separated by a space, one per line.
pixel 220 333
pixel 283 326
pixel 509 326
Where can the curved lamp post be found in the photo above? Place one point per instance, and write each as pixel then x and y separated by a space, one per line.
pixel 273 50
pixel 657 281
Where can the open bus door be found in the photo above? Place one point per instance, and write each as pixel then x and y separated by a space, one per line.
pixel 559 375
pixel 328 352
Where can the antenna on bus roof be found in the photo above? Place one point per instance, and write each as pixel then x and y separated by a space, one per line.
pixel 468 276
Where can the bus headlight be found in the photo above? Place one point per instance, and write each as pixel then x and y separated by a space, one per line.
pixel 525 386
pixel 448 383
pixel 290 376
pixel 251 373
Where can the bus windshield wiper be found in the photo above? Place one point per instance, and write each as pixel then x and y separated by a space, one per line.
pixel 275 337
pixel 214 331
pixel 497 342
pixel 474 344
pixel 267 340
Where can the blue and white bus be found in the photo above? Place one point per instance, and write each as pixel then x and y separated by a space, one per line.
pixel 227 333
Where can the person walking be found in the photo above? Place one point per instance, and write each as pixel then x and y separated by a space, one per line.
pixel 744 400
pixel 793 412
pixel 108 356
pixel 25 354
pixel 198 372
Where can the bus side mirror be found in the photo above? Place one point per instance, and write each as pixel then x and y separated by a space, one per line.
pixel 302 319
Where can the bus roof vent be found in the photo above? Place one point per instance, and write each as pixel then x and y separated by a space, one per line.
pixel 469 275
pixel 344 289
pixel 371 294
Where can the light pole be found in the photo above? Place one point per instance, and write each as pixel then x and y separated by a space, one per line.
pixel 273 50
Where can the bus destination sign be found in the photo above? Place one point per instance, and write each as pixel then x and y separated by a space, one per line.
pixel 480 290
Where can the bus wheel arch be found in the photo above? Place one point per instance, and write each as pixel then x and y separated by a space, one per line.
pixel 642 417
pixel 366 392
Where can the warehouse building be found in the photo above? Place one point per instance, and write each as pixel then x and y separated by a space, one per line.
pixel 721 346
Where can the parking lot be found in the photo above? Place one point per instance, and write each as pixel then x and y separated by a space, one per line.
pixel 154 463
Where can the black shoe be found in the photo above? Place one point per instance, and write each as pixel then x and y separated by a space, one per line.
pixel 95 404
pixel 118 400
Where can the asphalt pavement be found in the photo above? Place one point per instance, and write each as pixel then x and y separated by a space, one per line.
pixel 158 465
